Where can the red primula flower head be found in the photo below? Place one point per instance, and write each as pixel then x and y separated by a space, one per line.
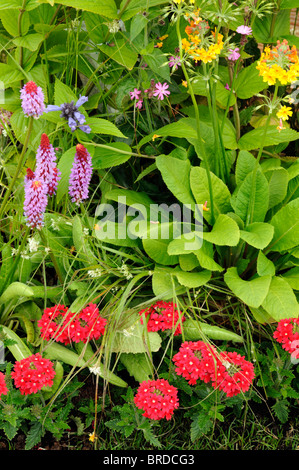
pixel 287 334
pixel 163 316
pixel 234 374
pixel 87 324
pixel 3 386
pixel 157 398
pixel 33 373
pixel 54 324
pixel 196 360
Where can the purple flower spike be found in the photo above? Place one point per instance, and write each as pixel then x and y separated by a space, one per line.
pixel 80 175
pixel 69 111
pixel 35 202
pixel 46 169
pixel 32 97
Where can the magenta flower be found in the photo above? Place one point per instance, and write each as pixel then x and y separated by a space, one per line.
pixel 234 54
pixel 80 175
pixel 46 169
pixel 32 97
pixel 35 202
pixel 161 90
pixel 135 94
pixel 244 30
pixel 139 104
pixel 174 61
pixel 227 86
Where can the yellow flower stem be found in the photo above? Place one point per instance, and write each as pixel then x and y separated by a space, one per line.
pixel 252 192
pixel 200 141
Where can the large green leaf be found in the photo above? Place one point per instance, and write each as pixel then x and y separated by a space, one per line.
pixel 281 301
pixel 105 157
pixel 245 165
pixel 292 277
pixel 278 184
pixel 258 234
pixel 176 175
pixel 137 365
pixel 225 232
pixel 194 331
pixel 105 8
pixel 130 9
pixel 194 279
pixel 255 139
pixel 264 266
pixel 262 27
pixel 253 292
pixel 222 94
pixel 30 41
pixel 249 82
pixel 259 191
pixel 286 227
pixel 103 126
pixel 200 189
pixel 156 242
pixel 121 52
pixel 134 339
pixel 165 284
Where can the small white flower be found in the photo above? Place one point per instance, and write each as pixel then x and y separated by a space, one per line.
pixel 86 231
pixel 95 273
pixel 32 245
pixel 95 370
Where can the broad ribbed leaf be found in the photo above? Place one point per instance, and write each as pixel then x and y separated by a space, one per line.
pixel 286 227
pixel 251 292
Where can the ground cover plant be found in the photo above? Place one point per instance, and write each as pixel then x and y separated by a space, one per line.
pixel 149 224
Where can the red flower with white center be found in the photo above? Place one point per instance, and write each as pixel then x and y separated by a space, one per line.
pixel 33 373
pixel 54 324
pixel 3 386
pixel 234 374
pixel 157 398
pixel 196 360
pixel 287 334
pixel 163 316
pixel 87 324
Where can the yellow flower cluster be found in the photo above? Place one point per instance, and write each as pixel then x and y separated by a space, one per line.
pixel 198 45
pixel 279 64
pixel 284 113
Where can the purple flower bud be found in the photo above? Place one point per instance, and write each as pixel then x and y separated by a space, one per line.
pixel 46 169
pixel 35 202
pixel 32 97
pixel 80 175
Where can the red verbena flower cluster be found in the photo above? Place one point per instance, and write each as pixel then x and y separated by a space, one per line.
pixel 33 373
pixel 59 324
pixel 195 360
pixel 3 386
pixel 163 316
pixel 287 334
pixel 234 374
pixel 227 371
pixel 157 398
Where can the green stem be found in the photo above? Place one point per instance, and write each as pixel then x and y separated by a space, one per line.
pixel 22 11
pixel 52 256
pixel 19 168
pixel 252 192
pixel 200 141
